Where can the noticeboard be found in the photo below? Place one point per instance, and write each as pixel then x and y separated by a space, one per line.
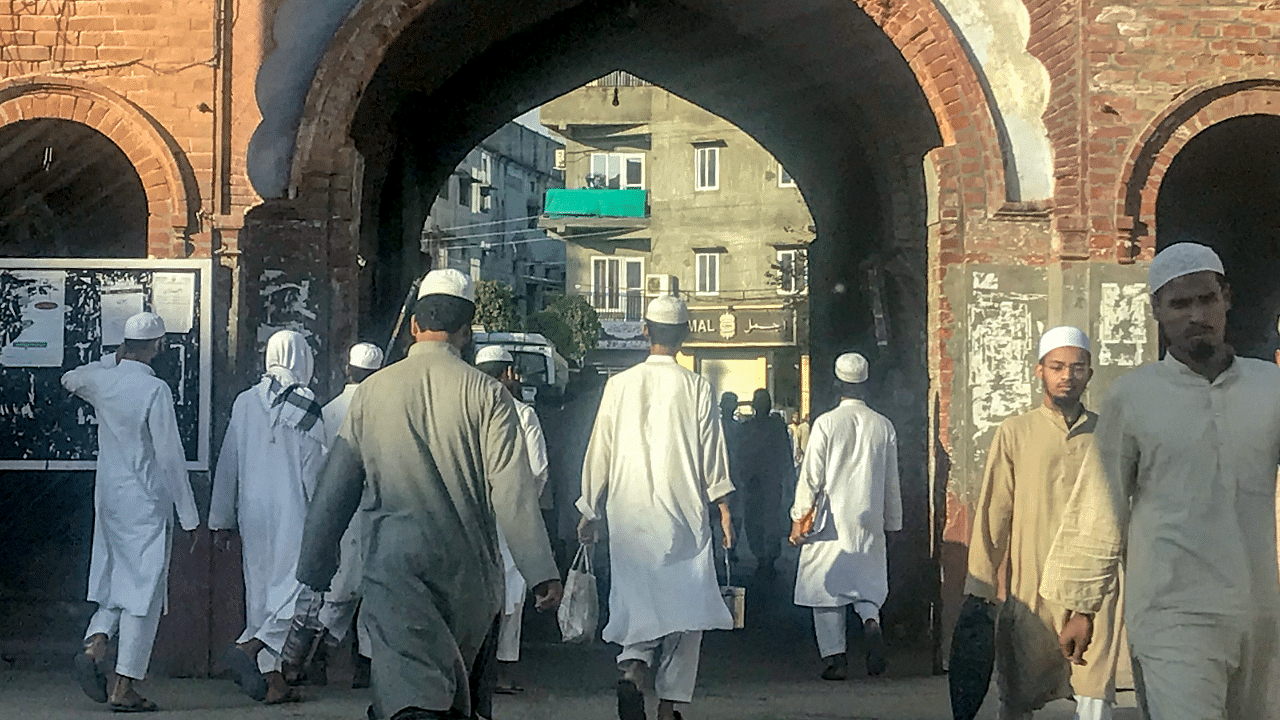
pixel 56 315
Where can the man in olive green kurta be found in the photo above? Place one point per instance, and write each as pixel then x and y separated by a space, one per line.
pixel 432 453
pixel 1032 467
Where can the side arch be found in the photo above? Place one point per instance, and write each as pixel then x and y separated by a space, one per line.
pixel 1164 138
pixel 169 210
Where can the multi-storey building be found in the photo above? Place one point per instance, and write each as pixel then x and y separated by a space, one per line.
pixel 664 197
pixel 484 221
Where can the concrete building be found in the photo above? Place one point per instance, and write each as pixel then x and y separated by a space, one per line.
pixel 665 197
pixel 484 220
pixel 976 170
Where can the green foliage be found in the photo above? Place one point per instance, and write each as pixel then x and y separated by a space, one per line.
pixel 496 307
pixel 570 323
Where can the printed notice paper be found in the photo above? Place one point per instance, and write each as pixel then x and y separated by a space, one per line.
pixel 173 298
pixel 120 302
pixel 32 308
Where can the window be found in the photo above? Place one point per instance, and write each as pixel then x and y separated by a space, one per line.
pixel 617 287
pixel 484 173
pixel 792 275
pixel 706 168
pixel 618 171
pixel 464 191
pixel 708 267
pixel 784 177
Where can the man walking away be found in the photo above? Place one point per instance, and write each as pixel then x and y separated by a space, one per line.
pixel 141 479
pixel 853 458
pixel 765 471
pixel 1032 468
pixel 799 429
pixel 431 454
pixel 656 461
pixel 343 597
pixel 1181 488
pixel 498 364
pixel 265 477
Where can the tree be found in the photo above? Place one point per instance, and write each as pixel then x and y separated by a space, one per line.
pixel 570 323
pixel 496 307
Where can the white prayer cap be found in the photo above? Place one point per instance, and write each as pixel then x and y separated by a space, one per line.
pixel 447 282
pixel 667 310
pixel 1064 336
pixel 492 353
pixel 365 355
pixel 144 326
pixel 1182 259
pixel 852 368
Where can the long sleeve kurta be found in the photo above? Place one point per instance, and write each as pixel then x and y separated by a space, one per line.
pixel 1032 468
pixel 536 445
pixel 1181 486
pixel 265 476
pixel 345 586
pixel 141 479
pixel 853 457
pixel 656 460
pixel 431 454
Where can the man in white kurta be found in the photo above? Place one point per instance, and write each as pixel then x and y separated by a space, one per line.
pixel 500 365
pixel 1032 468
pixel 655 462
pixel 343 597
pixel 852 457
pixel 265 476
pixel 141 479
pixel 1181 488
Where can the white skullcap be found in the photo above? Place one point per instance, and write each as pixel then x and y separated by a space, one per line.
pixel 667 310
pixel 144 326
pixel 1064 336
pixel 447 282
pixel 492 353
pixel 365 355
pixel 852 368
pixel 1182 259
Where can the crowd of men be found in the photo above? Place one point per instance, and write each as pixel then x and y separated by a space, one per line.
pixel 1142 536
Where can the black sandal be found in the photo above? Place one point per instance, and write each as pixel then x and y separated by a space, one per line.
pixel 140 705
pixel 630 701
pixel 245 671
pixel 92 681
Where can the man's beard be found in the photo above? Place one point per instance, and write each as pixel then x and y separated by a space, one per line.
pixel 1064 402
pixel 1202 350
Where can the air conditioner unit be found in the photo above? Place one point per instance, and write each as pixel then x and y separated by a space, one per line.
pixel 656 285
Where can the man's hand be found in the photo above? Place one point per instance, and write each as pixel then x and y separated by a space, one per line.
pixel 797 533
pixel 726 525
pixel 547 595
pixel 222 539
pixel 1075 637
pixel 588 531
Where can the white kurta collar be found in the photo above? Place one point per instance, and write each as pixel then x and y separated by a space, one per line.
pixel 434 347
pixel 851 401
pixel 128 365
pixel 1181 368
pixel 660 360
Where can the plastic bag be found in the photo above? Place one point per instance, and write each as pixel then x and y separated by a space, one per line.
pixel 580 609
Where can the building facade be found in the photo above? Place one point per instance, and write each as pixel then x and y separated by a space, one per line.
pixel 484 220
pixel 666 198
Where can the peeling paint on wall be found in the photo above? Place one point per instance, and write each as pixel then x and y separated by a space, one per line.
pixel 1122 324
pixel 1002 336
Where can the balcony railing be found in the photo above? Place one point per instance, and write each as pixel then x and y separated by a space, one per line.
pixel 619 78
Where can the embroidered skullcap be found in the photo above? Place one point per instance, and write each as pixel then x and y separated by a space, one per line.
pixel 365 355
pixel 852 368
pixel 1181 259
pixel 447 282
pixel 493 354
pixel 144 326
pixel 667 310
pixel 1064 336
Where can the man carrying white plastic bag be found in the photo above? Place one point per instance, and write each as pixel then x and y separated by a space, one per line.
pixel 580 610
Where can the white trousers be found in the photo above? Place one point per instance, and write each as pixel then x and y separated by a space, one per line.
pixel 275 630
pixel 831 628
pixel 336 618
pixel 137 635
pixel 1087 708
pixel 509 635
pixel 674 660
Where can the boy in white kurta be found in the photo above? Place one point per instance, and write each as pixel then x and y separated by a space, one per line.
pixel 266 473
pixel 852 456
pixel 656 461
pixel 141 479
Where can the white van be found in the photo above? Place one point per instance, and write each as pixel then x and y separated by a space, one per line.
pixel 541 369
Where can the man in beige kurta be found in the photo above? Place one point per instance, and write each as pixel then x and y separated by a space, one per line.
pixel 1181 486
pixel 432 454
pixel 1031 470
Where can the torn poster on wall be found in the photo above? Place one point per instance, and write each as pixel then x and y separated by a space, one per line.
pixel 1002 338
pixel 32 311
pixel 1122 324
pixel 119 301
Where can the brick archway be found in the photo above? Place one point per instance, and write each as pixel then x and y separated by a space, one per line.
pixel 125 125
pixel 323 152
pixel 1167 135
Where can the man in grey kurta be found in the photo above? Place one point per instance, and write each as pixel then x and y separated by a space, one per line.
pixel 431 453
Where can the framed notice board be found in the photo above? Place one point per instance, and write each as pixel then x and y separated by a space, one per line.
pixel 56 315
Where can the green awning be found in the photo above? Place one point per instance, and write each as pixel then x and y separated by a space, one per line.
pixel 590 202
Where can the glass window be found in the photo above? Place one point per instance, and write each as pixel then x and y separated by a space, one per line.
pixel 708 267
pixel 616 171
pixel 618 287
pixel 784 177
pixel 706 161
